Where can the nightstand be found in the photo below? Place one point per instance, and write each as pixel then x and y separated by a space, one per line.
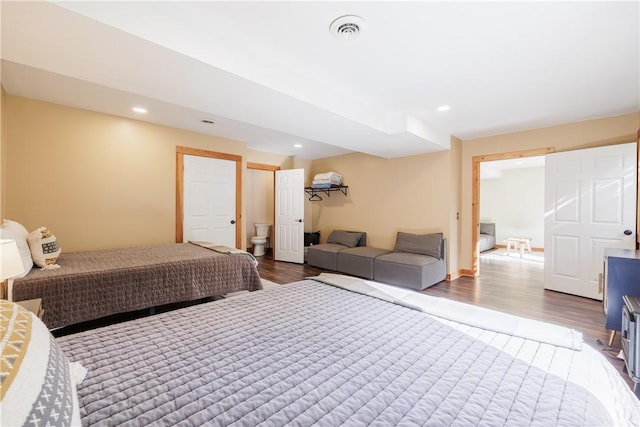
pixel 630 339
pixel 33 305
pixel 621 277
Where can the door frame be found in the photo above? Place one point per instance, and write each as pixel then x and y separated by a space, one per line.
pixel 475 200
pixel 180 152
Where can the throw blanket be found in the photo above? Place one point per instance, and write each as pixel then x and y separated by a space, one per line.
pixel 458 312
pixel 225 250
pixel 310 354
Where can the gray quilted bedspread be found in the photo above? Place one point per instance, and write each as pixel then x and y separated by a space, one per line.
pixel 311 354
pixel 93 284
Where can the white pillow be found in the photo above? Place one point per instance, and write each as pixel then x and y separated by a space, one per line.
pixel 44 248
pixel 37 378
pixel 15 231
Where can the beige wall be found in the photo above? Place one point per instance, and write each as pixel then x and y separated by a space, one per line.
pixel 592 133
pixel 284 162
pixel 101 181
pixel 97 181
pixel 410 194
pixel 424 193
pixel 454 208
pixel 3 155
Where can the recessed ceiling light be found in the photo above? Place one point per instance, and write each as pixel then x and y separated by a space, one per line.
pixel 297 145
pixel 140 110
pixel 207 121
pixel 444 108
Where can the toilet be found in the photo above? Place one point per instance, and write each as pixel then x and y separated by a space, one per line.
pixel 260 239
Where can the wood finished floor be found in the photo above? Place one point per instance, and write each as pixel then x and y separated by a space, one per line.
pixel 508 287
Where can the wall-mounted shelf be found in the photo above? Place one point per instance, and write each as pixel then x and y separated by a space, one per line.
pixel 314 192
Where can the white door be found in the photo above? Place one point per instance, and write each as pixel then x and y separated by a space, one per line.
pixel 289 228
pixel 590 204
pixel 209 200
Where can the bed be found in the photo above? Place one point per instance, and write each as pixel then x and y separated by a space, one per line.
pixel 330 351
pixel 93 284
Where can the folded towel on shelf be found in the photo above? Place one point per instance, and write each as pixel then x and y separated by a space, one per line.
pixel 326 181
pixel 330 176
pixel 322 185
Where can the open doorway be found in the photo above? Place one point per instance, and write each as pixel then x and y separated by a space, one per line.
pixel 260 212
pixel 477 162
pixel 512 197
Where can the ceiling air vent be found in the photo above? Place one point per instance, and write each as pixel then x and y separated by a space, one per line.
pixel 347 27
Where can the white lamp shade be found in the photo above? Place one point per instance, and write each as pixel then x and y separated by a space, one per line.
pixel 10 261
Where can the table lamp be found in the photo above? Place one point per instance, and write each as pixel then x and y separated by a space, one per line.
pixel 10 264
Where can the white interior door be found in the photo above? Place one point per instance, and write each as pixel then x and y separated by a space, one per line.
pixel 209 200
pixel 590 204
pixel 289 228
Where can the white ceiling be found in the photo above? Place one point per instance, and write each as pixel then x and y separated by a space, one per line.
pixel 272 75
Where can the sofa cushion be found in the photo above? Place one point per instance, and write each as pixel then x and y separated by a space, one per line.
pixel 486 242
pixel 332 248
pixel 415 271
pixel 324 255
pixel 407 258
pixel 346 238
pixel 359 261
pixel 425 244
pixel 488 228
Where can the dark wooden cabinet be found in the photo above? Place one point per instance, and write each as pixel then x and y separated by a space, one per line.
pixel 621 277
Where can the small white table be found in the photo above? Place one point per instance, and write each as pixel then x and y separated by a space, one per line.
pixel 519 244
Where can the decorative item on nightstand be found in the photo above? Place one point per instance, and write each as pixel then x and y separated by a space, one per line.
pixel 10 265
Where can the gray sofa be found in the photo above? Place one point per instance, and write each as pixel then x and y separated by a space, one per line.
pixel 325 255
pixel 487 239
pixel 417 261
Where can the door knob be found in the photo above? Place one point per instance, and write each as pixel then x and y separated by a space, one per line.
pixel 233 221
pixel 299 220
pixel 628 232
